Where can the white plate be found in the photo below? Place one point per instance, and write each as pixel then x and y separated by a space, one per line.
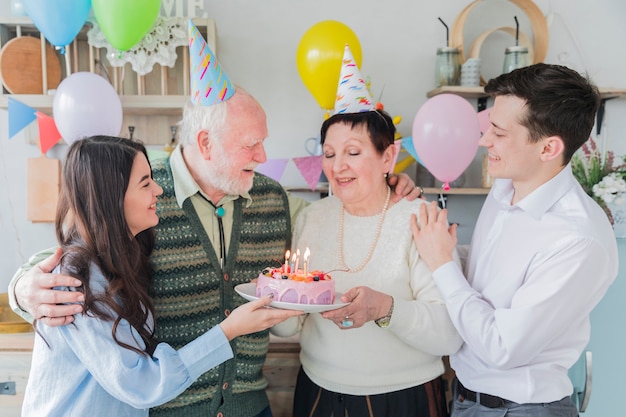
pixel 248 291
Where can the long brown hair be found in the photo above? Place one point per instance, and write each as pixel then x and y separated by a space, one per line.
pixel 92 230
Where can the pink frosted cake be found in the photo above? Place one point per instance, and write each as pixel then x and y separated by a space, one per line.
pixel 314 288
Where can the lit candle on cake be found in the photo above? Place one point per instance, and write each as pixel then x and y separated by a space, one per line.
pixel 295 271
pixel 307 253
pixel 286 267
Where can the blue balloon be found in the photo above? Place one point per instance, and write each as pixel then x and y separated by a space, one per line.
pixel 407 143
pixel 58 20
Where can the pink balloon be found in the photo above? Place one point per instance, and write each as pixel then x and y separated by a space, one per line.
pixel 446 132
pixel 86 104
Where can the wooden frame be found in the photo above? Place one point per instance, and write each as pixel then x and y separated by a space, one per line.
pixel 537 21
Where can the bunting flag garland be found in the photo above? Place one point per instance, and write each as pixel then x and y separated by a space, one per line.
pixel 273 168
pixel 483 120
pixel 311 169
pixel 48 133
pixel 20 116
pixel 407 143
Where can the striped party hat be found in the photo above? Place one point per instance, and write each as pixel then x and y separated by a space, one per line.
pixel 209 83
pixel 352 93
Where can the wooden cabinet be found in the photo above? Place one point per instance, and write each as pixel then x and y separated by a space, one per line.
pixel 281 370
pixel 15 355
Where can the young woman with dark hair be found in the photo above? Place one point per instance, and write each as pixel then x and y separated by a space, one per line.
pixel 108 361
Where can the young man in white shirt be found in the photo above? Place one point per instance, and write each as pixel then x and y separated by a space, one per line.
pixel 542 255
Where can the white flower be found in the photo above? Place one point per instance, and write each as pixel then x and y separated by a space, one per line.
pixel 610 189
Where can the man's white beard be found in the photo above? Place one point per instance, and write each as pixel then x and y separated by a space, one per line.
pixel 217 174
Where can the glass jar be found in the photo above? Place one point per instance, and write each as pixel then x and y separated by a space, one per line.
pixel 447 67
pixel 515 57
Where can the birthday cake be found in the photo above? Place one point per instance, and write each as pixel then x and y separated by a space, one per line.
pixel 314 287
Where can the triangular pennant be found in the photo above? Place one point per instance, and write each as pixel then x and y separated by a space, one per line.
pixel 311 168
pixel 409 145
pixel 48 133
pixel 20 116
pixel 483 120
pixel 273 168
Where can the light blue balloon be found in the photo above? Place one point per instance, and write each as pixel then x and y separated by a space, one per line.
pixel 58 20
pixel 407 143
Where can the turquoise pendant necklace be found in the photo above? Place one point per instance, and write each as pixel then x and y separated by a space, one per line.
pixel 219 213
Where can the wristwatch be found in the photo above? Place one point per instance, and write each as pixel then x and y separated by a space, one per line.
pixel 385 320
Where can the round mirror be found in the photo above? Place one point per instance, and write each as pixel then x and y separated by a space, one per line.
pixel 485 28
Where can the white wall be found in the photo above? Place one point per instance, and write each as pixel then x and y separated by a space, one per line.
pixel 257 42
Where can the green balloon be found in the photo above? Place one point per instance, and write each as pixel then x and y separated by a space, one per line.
pixel 125 22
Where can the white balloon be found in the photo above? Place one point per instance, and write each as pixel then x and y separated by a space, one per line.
pixel 86 104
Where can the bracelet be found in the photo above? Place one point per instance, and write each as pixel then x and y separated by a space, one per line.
pixel 385 320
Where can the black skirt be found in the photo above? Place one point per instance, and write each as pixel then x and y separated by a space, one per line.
pixel 426 400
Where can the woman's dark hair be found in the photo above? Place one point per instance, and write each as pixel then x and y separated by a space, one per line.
pixel 378 123
pixel 91 228
pixel 559 102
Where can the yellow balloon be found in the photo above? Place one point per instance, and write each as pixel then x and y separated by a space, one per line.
pixel 403 164
pixel 319 57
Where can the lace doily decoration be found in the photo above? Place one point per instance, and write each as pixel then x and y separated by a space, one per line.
pixel 157 47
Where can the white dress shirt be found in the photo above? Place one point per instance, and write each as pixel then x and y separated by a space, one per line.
pixel 535 271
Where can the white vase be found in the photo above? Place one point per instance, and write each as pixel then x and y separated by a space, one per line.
pixel 618 211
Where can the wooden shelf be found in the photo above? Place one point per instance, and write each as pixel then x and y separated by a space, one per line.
pixel 152 103
pixel 167 105
pixel 14 21
pixel 479 92
pixel 606 93
pixel 323 189
pixel 465 92
pixel 457 191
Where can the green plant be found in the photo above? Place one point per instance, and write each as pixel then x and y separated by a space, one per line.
pixel 590 167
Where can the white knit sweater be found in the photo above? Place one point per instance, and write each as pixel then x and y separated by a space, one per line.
pixel 369 359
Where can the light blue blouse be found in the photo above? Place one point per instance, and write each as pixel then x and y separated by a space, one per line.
pixel 79 370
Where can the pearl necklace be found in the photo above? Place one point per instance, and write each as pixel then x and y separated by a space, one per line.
pixel 381 219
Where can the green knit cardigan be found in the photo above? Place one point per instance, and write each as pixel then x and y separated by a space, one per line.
pixel 192 294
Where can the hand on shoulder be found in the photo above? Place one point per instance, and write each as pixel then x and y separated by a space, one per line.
pixel 34 293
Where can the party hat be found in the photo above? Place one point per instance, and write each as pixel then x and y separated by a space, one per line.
pixel 352 93
pixel 209 83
